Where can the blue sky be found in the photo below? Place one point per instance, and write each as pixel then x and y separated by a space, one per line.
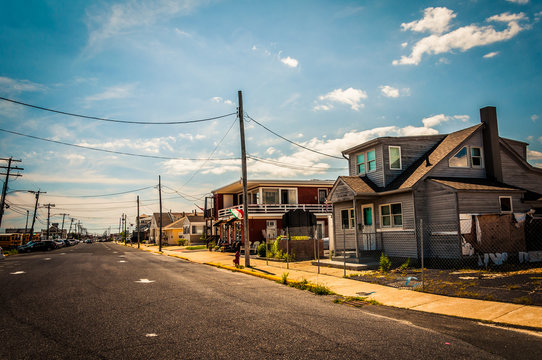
pixel 326 74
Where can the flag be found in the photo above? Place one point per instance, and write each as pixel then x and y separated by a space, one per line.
pixel 237 213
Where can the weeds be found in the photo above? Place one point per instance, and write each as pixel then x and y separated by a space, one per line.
pixel 284 278
pixel 524 300
pixel 385 263
pixel 196 247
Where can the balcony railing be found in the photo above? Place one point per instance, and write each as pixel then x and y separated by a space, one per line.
pixel 278 209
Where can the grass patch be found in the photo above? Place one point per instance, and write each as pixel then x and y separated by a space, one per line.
pixel 196 247
pixel 524 300
pixel 356 301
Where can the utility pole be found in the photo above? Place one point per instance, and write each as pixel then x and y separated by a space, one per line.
pixel 246 237
pixel 26 226
pixel 37 193
pixel 160 197
pixel 71 222
pixel 4 190
pixel 138 233
pixel 124 224
pixel 48 206
pixel 120 220
pixel 62 229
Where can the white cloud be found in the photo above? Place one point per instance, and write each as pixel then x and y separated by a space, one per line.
pixel 491 54
pixel 114 92
pixel 13 86
pixel 191 137
pixel 270 150
pixel 152 145
pixel 182 33
pixel 389 91
pixel 441 118
pixel 291 62
pixel 435 20
pixel 218 99
pixel 534 155
pixel 464 38
pixel 534 117
pixel 522 2
pixel 120 19
pixel 404 45
pixel 350 96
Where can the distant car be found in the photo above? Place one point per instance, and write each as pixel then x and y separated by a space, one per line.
pixel 2 257
pixel 88 241
pixel 25 247
pixel 66 242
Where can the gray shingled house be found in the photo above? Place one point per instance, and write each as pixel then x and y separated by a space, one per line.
pixel 396 182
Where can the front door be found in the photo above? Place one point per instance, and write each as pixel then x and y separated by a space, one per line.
pixel 271 229
pixel 320 229
pixel 368 232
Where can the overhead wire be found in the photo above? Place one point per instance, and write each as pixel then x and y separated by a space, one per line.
pixel 115 120
pixel 292 142
pixel 292 166
pixel 102 195
pixel 107 151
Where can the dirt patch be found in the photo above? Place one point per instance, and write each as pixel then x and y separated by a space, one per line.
pixel 519 287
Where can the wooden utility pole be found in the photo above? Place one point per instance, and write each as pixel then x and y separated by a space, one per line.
pixel 138 234
pixel 71 222
pixel 5 188
pixel 48 206
pixel 246 237
pixel 26 226
pixel 37 193
pixel 160 222
pixel 62 228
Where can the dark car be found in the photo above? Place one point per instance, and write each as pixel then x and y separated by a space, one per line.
pixel 44 245
pixel 67 242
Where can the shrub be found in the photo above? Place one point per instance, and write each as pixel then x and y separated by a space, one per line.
pixel 405 265
pixel 182 242
pixel 261 250
pixel 196 247
pixel 385 263
pixel 284 278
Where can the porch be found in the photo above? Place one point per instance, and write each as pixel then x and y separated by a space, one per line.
pixel 277 209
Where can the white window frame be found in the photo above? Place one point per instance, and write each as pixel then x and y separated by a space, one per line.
pixel 351 218
pixel 391 215
pixel 366 162
pixel 511 205
pixel 481 166
pixel 400 157
pixel 467 148
pixel 262 198
pixel 318 196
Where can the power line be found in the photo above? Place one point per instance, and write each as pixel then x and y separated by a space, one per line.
pixel 114 120
pixel 108 151
pixel 292 166
pixel 292 142
pixel 102 195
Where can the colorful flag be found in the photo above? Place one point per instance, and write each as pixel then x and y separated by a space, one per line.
pixel 237 213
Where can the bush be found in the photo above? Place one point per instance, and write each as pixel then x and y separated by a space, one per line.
pixel 284 278
pixel 182 242
pixel 385 263
pixel 261 250
pixel 405 265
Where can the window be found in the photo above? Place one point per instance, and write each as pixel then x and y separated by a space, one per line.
pixel 271 196
pixel 322 195
pixel 506 204
pixel 395 157
pixel 366 162
pixel 367 216
pixel 460 159
pixel 476 157
pixel 361 164
pixel 347 219
pixel 391 215
pixel 288 196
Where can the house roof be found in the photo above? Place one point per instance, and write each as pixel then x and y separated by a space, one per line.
pixel 179 223
pixel 468 184
pixel 237 186
pixel 421 168
pixel 359 184
pixel 166 220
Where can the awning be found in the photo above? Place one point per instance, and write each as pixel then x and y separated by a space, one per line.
pixel 230 220
pixel 218 222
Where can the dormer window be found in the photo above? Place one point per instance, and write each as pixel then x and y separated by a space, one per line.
pixel 366 162
pixel 460 159
pixel 476 157
pixel 395 157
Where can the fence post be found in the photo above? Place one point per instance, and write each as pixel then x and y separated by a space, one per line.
pixel 288 249
pixel 421 252
pixel 344 250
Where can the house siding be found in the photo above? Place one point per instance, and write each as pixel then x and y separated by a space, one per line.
pixel 517 175
pixel 376 176
pixel 443 169
pixel 342 193
pixel 440 205
pixel 488 203
pixel 411 150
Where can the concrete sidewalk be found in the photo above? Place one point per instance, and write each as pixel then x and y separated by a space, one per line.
pixel 498 312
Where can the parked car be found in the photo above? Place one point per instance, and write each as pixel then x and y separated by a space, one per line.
pixel 67 242
pixel 59 243
pixel 1 254
pixel 44 245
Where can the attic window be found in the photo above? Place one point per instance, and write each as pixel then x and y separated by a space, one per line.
pixel 395 157
pixel 366 162
pixel 460 159
pixel 476 157
pixel 506 204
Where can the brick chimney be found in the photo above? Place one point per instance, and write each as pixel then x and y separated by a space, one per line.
pixel 490 134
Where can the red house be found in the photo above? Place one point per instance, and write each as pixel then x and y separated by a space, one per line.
pixel 268 200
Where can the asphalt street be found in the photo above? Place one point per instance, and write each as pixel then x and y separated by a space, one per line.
pixel 106 301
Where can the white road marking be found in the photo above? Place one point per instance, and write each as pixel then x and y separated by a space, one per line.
pixel 47 259
pixel 530 332
pixel 17 273
pixel 144 281
pixel 151 335
pixel 122 261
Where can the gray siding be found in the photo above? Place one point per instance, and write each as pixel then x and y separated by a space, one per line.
pixel 407 206
pixel 400 244
pixel 440 205
pixel 518 147
pixel 342 193
pixel 443 168
pixel 339 232
pixel 517 175
pixel 488 202
pixel 376 176
pixel 411 150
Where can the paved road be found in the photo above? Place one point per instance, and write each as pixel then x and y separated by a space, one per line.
pixel 106 301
